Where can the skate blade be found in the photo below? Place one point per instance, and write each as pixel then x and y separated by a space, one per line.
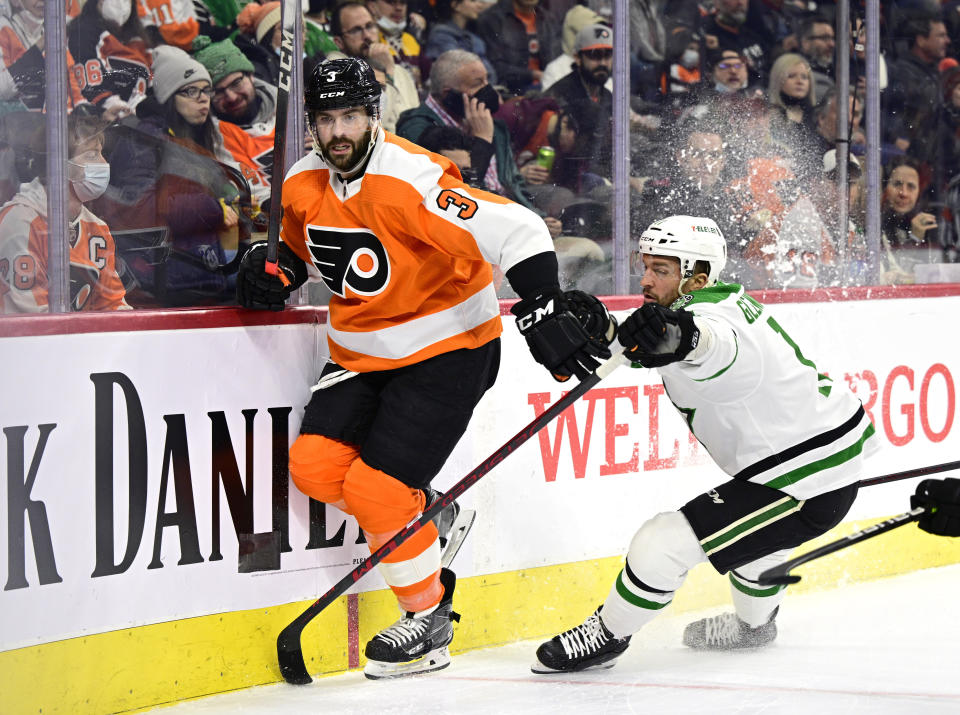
pixel 434 660
pixel 541 669
pixel 458 534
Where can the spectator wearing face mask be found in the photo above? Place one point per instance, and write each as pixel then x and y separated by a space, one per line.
pixel 397 32
pixel 94 280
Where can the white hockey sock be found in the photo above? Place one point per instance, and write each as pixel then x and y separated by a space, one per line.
pixel 753 601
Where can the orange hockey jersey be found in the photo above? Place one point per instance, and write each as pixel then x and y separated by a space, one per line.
pixel 242 150
pixel 94 283
pixel 176 20
pixel 406 250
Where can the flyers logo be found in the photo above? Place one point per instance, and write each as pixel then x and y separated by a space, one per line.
pixel 466 206
pixel 349 258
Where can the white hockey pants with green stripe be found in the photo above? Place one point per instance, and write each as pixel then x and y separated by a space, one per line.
pixel 661 553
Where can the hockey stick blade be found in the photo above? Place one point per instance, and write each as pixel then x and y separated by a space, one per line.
pixel 289 648
pixel 458 534
pixel 780 575
pixel 910 473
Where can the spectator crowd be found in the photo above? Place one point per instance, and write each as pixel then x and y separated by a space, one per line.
pixel 733 111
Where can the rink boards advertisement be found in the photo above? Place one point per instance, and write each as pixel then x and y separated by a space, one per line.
pixel 134 457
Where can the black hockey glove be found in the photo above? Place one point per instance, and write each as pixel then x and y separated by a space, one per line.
pixel 655 336
pixel 566 332
pixel 258 289
pixel 941 499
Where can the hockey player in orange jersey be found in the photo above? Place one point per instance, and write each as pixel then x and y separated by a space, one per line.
pixel 94 283
pixel 406 248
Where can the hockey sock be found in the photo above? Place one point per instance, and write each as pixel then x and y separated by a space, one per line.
pixel 755 602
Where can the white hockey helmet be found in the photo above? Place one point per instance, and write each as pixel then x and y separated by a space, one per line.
pixel 689 238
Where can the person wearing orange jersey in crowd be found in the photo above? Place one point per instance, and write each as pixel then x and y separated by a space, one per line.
pixel 24 265
pixel 21 58
pixel 406 248
pixel 175 20
pixel 111 56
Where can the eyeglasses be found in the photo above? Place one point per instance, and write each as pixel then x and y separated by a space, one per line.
pixel 597 55
pixel 232 87
pixel 821 37
pixel 360 29
pixel 195 92
pixel 730 65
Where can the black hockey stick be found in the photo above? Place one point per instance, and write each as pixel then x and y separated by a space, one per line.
pixel 289 651
pixel 288 13
pixel 780 575
pixel 918 472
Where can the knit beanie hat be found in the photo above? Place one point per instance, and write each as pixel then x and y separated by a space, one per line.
pixel 577 18
pixel 172 69
pixel 258 20
pixel 220 58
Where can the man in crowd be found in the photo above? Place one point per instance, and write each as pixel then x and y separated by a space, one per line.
pixel 736 25
pixel 522 39
pixel 817 44
pixel 239 97
pixel 357 34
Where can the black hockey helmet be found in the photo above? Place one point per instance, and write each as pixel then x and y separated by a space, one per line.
pixel 340 84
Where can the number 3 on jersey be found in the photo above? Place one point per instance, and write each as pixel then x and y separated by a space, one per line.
pixel 466 207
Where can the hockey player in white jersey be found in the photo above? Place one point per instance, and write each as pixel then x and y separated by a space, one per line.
pixel 792 441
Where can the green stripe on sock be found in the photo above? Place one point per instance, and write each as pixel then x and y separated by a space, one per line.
pixel 633 599
pixel 758 592
pixel 833 460
pixel 714 544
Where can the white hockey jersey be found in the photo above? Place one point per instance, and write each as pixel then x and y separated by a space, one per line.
pixel 760 406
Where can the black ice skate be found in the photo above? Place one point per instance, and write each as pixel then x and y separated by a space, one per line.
pixel 589 646
pixel 417 643
pixel 728 632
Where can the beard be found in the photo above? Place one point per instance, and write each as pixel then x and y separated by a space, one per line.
pixel 733 18
pixel 358 149
pixel 596 77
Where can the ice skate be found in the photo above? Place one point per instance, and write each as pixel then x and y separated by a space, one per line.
pixel 417 643
pixel 589 646
pixel 728 632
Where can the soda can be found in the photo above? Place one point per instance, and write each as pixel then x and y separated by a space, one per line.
pixel 545 157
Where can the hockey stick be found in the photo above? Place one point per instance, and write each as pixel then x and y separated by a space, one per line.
pixel 289 650
pixel 918 472
pixel 780 575
pixel 288 13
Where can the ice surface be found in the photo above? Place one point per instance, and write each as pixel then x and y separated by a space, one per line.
pixel 887 646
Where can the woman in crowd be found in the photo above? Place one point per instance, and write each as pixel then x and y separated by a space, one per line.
pixel 173 170
pixel 908 234
pixel 456 30
pixel 792 95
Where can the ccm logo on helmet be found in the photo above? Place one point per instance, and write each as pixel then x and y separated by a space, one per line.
pixel 328 95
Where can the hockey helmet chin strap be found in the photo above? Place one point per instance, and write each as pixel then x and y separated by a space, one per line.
pixel 375 134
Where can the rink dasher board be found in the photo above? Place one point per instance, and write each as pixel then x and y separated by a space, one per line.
pixel 212 387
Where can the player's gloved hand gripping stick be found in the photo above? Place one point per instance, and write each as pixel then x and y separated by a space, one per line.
pixel 289 650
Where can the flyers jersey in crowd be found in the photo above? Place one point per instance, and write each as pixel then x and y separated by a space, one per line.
pixel 176 20
pixel 94 283
pixel 104 66
pixel 406 249
pixel 22 66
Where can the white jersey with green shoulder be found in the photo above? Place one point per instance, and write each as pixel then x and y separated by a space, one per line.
pixel 760 406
